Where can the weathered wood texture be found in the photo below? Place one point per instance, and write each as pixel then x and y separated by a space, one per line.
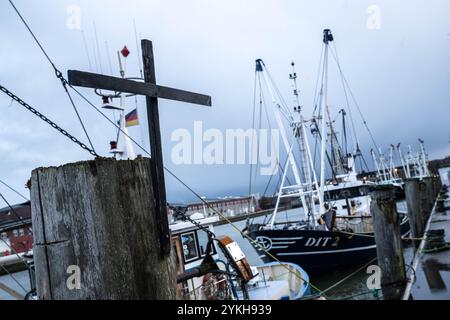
pixel 157 165
pixel 425 201
pixel 415 211
pixel 429 192
pixel 92 80
pixel 99 216
pixel 389 243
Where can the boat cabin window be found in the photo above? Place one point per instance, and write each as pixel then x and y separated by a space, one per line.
pixel 203 242
pixel 194 245
pixel 189 246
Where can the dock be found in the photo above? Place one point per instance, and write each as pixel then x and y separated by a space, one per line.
pixel 432 262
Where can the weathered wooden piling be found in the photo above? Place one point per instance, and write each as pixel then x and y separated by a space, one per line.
pixel 429 192
pixel 424 200
pixel 436 186
pixel 95 232
pixel 389 242
pixel 415 211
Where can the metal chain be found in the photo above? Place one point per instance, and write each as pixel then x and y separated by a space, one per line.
pixel 51 123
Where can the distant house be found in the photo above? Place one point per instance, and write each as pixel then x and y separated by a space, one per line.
pixel 15 229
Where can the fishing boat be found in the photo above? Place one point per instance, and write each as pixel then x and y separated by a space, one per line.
pixel 337 229
pixel 204 274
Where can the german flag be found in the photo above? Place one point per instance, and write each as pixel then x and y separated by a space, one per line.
pixel 131 119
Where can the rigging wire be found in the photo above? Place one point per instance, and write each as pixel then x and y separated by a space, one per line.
pixel 64 82
pixel 14 190
pixel 14 279
pixel 253 137
pixel 108 56
pixel 354 99
pixel 50 122
pixel 316 94
pixel 97 46
pixel 23 223
pixel 137 48
pixel 94 54
pixel 14 252
pixel 13 210
pixel 32 34
pixel 57 72
pixel 86 49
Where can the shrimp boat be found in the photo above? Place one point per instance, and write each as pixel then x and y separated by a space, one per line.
pixel 337 229
pixel 414 165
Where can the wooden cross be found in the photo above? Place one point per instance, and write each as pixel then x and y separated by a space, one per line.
pixel 152 91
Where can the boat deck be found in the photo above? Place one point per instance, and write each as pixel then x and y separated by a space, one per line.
pixel 433 269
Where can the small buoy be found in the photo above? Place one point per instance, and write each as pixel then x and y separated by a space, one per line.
pixel 125 52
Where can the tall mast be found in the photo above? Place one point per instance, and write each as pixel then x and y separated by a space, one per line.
pixel 402 160
pixel 423 156
pixel 298 132
pixel 260 67
pixel 327 37
pixel 305 152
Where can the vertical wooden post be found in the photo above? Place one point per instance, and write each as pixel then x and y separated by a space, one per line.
pixel 433 187
pixel 437 185
pixel 388 240
pixel 157 165
pixel 415 214
pixel 424 200
pixel 94 221
pixel 429 191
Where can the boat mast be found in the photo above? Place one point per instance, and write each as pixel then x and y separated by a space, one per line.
pixel 260 67
pixel 377 166
pixel 402 160
pixel 335 147
pixel 327 37
pixel 424 159
pixel 305 151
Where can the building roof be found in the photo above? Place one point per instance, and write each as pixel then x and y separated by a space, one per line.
pixel 19 213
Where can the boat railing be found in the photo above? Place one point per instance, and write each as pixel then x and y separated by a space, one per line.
pixel 212 289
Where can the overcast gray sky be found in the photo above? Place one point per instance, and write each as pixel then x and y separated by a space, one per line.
pixel 400 73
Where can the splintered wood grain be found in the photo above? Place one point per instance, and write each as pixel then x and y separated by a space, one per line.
pixel 388 241
pixel 99 215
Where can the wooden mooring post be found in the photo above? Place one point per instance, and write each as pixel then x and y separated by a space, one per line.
pixel 96 232
pixel 416 212
pixel 429 183
pixel 389 242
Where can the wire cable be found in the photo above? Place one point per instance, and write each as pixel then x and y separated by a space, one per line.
pixel 57 72
pixel 14 190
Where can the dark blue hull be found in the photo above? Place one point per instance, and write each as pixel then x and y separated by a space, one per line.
pixel 318 251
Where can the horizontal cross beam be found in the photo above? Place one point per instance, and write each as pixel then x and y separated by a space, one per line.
pixel 92 80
